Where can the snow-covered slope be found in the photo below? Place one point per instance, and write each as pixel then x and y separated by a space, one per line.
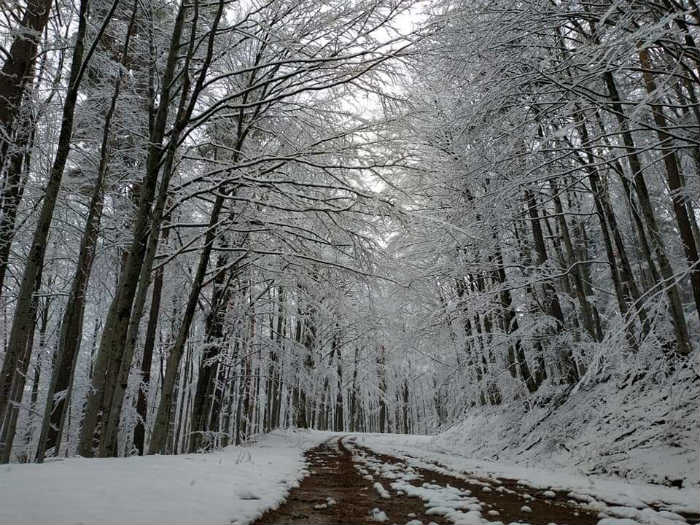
pixel 642 425
pixel 234 485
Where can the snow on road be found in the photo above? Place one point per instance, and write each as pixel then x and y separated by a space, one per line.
pixel 617 501
pixel 234 484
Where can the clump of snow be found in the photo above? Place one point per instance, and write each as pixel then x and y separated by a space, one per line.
pixel 446 501
pixel 525 508
pixel 381 490
pixel 193 488
pixel 378 515
pixel 645 515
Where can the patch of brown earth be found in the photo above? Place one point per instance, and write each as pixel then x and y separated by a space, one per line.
pixel 333 475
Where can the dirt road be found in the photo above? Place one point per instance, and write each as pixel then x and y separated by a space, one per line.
pixel 351 485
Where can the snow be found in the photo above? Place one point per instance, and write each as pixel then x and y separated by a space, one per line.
pixel 455 504
pixel 232 486
pixel 378 515
pixel 640 425
pixel 381 490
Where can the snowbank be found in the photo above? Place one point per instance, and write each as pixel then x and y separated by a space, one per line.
pixel 231 486
pixel 640 426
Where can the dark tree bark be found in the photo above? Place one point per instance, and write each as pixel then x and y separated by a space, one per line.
pixel 552 305
pixel 15 180
pixel 16 72
pixel 73 316
pixel 635 164
pixel 675 185
pixel 116 325
pixel 147 359
pixel 25 309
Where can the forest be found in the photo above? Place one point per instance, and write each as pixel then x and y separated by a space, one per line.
pixel 225 217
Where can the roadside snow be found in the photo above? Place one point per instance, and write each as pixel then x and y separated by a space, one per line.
pixel 605 495
pixel 232 486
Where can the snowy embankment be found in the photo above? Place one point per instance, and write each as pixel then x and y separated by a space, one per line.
pixel 234 485
pixel 639 426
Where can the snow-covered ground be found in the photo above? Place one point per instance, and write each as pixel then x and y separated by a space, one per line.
pixel 640 425
pixel 234 485
pixel 237 484
pixel 611 497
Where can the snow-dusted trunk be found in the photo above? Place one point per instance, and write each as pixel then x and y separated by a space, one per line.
pixel 15 178
pixel 25 309
pixel 675 186
pixel 17 72
pixel 510 325
pixel 665 269
pixel 147 358
pixel 109 356
pixel 205 395
pixel 9 425
pixel 73 315
pixel 577 274
pixel 160 429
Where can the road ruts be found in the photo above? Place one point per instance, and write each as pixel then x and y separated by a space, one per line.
pixel 336 493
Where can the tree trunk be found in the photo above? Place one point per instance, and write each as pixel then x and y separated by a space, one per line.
pixel 17 70
pixel 25 309
pixel 214 340
pixel 10 424
pixel 667 273
pixel 673 177
pixel 552 305
pixel 147 359
pixel 163 417
pixel 571 260
pixel 117 322
pixel 16 177
pixel 72 322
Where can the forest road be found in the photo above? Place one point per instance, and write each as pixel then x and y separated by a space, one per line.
pixel 351 485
